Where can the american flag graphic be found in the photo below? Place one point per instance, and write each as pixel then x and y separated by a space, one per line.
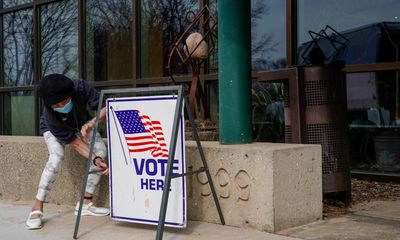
pixel 142 134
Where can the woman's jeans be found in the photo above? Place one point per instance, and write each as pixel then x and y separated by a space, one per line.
pixel 56 158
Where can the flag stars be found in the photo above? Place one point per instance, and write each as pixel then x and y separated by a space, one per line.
pixel 130 121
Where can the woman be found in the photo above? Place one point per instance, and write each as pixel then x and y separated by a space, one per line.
pixel 66 120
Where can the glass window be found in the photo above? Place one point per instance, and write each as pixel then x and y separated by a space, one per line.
pixel 109 40
pixel 59 38
pixel 212 63
pixel 18 48
pixel 374 120
pixel 371 27
pixel 19 113
pixel 268 33
pixel 212 99
pixel 268 112
pixel 161 24
pixel 12 3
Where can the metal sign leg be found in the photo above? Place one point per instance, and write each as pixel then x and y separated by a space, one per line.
pixel 167 182
pixel 168 177
pixel 203 159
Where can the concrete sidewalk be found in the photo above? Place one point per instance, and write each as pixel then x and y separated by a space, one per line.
pixel 59 223
pixel 367 221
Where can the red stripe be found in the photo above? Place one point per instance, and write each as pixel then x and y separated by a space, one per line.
pixel 157 154
pixel 138 138
pixel 144 117
pixel 141 150
pixel 141 143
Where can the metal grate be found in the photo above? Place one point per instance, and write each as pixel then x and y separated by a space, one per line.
pixel 286 95
pixel 333 144
pixel 316 93
pixel 288 134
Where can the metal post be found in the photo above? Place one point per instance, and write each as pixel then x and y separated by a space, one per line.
pixel 167 182
pixel 85 178
pixel 203 159
pixel 234 44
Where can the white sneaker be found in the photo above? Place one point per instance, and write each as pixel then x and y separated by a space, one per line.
pixel 91 210
pixel 35 223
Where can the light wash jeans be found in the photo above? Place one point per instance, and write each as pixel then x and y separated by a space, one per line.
pixel 56 158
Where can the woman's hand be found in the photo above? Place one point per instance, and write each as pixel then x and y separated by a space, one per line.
pixel 101 165
pixel 86 128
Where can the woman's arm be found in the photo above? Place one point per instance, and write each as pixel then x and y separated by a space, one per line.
pixel 83 149
pixel 91 123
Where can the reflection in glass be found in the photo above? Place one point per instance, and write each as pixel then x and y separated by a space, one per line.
pixel 161 24
pixel 19 113
pixel 12 3
pixel 359 20
pixel 109 40
pixel 212 63
pixel 59 38
pixel 212 99
pixel 268 33
pixel 18 48
pixel 373 120
pixel 268 112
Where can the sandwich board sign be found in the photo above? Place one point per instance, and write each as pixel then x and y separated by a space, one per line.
pixel 139 134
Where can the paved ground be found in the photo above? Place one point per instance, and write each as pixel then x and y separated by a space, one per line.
pixel 367 221
pixel 60 222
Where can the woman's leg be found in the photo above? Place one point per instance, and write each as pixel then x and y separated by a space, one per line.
pixel 100 150
pixel 53 166
pixel 88 208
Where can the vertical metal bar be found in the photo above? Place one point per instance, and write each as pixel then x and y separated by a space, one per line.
pixel 36 61
pixel 135 36
pixel 82 38
pixel 291 32
pixel 297 120
pixel 89 161
pixel 201 67
pixel 171 156
pixel 2 109
pixel 203 159
pixel 2 48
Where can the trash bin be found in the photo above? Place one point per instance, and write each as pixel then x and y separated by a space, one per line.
pixel 322 94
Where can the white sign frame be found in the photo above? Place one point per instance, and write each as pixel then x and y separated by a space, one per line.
pixel 161 108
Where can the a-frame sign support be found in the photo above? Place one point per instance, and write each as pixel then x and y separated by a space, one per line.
pixel 168 176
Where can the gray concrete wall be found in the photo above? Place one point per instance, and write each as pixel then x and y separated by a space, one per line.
pixel 264 186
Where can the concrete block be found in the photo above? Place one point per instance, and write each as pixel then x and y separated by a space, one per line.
pixel 265 186
pixel 24 159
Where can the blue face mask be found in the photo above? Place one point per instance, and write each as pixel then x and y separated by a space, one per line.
pixel 66 109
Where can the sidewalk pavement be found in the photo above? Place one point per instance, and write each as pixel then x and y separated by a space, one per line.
pixel 59 223
pixel 366 221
